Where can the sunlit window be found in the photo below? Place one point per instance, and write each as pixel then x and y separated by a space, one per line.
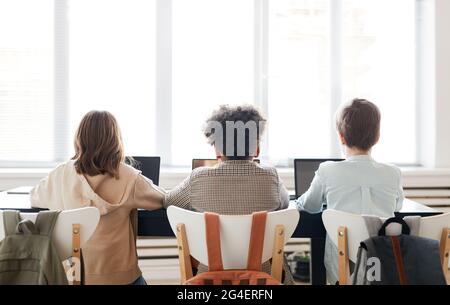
pixel 213 64
pixel 297 60
pixel 26 81
pixel 379 63
pixel 112 66
pixel 299 80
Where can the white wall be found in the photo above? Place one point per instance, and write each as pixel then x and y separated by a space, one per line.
pixel 442 54
pixel 434 92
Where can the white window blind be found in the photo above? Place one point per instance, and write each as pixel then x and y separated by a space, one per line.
pixel 379 63
pixel 213 64
pixel 162 66
pixel 300 105
pixel 112 67
pixel 26 81
pixel 324 53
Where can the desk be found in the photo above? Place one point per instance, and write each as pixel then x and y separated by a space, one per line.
pixel 155 223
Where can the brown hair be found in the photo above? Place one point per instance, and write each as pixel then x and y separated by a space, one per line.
pixel 359 124
pixel 98 145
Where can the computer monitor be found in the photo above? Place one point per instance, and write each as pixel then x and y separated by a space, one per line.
pixel 149 166
pixel 304 171
pixel 208 162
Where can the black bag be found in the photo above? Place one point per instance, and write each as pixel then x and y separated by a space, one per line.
pixel 398 260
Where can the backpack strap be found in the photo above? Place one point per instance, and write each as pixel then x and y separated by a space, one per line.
pixel 10 221
pixel 255 248
pixel 45 222
pixel 26 227
pixel 405 228
pixel 212 226
pixel 396 249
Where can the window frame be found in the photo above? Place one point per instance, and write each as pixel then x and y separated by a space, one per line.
pixel 163 97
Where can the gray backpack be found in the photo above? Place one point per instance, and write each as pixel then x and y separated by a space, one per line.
pixel 27 254
pixel 397 260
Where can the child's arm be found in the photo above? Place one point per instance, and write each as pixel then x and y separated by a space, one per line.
pixel 147 195
pixel 45 194
pixel 313 200
pixel 284 196
pixel 180 196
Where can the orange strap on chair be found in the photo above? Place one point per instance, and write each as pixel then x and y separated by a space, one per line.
pixel 212 224
pixel 213 242
pixel 255 247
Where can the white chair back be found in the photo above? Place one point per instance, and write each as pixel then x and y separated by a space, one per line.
pixel 87 218
pixel 234 234
pixel 430 227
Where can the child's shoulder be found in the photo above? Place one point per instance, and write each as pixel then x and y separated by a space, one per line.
pixel 64 167
pixel 389 167
pixel 330 165
pixel 128 171
pixel 338 166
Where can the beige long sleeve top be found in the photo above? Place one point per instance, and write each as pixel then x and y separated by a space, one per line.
pixel 110 255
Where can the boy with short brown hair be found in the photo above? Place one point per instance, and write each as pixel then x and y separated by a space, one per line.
pixel 358 185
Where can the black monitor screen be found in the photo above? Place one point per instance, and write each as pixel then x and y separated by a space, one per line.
pixel 149 166
pixel 304 170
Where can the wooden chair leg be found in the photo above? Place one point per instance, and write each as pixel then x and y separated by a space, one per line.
pixel 445 250
pixel 76 254
pixel 184 254
pixel 278 253
pixel 344 269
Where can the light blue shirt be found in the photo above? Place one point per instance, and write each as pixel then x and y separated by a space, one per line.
pixel 358 185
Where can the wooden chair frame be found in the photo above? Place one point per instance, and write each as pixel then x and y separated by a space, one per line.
pixel 76 254
pixel 343 264
pixel 445 250
pixel 186 259
pixel 344 270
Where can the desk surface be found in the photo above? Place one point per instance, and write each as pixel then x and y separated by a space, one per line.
pixel 21 201
pixel 410 207
pixel 14 201
pixel 155 223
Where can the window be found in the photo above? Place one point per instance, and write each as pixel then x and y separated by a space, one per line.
pixel 162 66
pixel 213 64
pixel 112 67
pixel 379 63
pixel 323 53
pixel 26 81
pixel 299 80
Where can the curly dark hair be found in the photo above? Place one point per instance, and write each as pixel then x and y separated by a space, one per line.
pixel 244 115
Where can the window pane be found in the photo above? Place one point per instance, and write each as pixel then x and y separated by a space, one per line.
pixel 379 64
pixel 26 80
pixel 112 66
pixel 299 100
pixel 213 64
